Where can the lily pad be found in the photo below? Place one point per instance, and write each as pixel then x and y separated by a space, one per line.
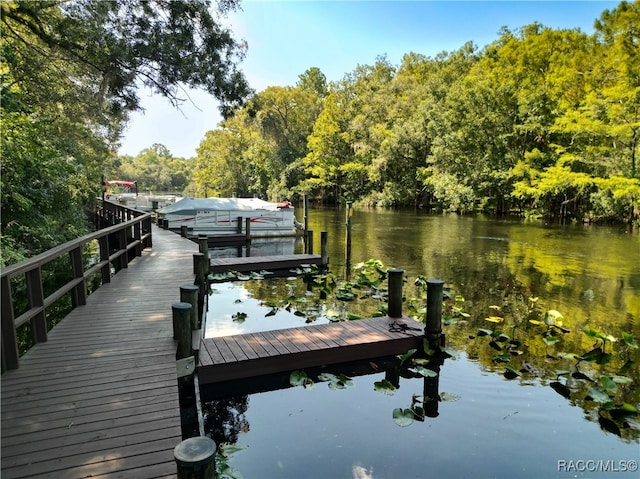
pixel 403 417
pixel 385 387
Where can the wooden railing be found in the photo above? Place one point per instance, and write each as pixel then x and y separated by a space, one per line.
pixel 117 245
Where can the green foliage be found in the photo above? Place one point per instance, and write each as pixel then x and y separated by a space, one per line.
pixel 541 122
pixel 70 73
pixel 154 169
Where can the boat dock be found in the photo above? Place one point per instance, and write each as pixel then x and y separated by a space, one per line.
pixel 98 395
pixel 256 354
pixel 260 263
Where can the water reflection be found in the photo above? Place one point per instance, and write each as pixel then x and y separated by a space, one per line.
pixel 590 275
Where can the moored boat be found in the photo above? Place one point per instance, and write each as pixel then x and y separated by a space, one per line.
pixel 219 216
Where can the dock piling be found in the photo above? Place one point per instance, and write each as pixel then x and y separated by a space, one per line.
pixel 247 229
pixel 309 242
pixel 394 309
pixel 195 458
pixel 348 240
pixel 184 231
pixel 189 294
pixel 324 249
pixel 182 329
pixel 433 330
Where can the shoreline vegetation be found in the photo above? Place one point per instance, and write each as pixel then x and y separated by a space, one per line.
pixel 542 122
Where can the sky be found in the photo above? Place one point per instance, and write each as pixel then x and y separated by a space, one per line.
pixel 287 37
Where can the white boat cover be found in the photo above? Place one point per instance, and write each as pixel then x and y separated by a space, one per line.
pixel 191 205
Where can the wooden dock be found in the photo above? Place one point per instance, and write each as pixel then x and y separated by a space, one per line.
pixel 259 263
pixel 100 397
pixel 256 354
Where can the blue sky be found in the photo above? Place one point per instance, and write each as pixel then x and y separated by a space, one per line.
pixel 286 38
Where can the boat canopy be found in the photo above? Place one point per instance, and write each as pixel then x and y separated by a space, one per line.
pixel 189 205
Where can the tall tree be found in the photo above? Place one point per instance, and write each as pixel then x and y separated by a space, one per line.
pixel 70 73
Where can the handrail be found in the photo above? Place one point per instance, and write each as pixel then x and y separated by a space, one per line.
pixel 132 233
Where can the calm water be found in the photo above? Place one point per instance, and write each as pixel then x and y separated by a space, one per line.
pixel 487 426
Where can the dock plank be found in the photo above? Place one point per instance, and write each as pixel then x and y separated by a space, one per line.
pixel 309 346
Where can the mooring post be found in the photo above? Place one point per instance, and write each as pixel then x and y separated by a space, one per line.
pixel 324 251
pixel 247 229
pixel 433 330
pixel 202 272
pixel 347 252
pixel 182 329
pixel 196 260
pixel 196 458
pixel 239 224
pixel 184 231
pixel 394 303
pixel 309 241
pixel 305 219
pixel 203 245
pixel 189 294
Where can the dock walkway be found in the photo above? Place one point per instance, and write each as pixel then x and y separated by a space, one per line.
pixel 259 263
pixel 100 399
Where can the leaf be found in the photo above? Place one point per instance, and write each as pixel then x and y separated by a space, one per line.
pixel 494 319
pixel 510 372
pixel 352 316
pixel 598 395
pixel 385 387
pixel 299 313
pixel 609 385
pixel 497 308
pixel 300 378
pixel 609 426
pixel 629 340
pixel 484 332
pixel 407 355
pixel 495 346
pixel 550 340
pixel 536 322
pixel 403 417
pixel 552 316
pixel 621 379
pixel 561 389
pixel 449 397
pixel 426 372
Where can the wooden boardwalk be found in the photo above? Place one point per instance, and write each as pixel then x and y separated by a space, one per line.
pixel 99 399
pixel 255 354
pixel 259 263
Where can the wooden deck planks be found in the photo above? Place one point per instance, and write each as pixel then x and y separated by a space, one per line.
pixel 259 263
pixel 308 346
pixel 99 398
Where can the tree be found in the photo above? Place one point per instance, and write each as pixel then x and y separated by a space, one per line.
pixel 70 73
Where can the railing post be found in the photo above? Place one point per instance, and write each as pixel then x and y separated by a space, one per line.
pixel 239 225
pixel 103 243
pixel 79 293
pixel 137 236
pixel 36 300
pixel 196 458
pixel 433 329
pixel 247 229
pixel 182 329
pixel 10 352
pixel 394 309
pixel 122 245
